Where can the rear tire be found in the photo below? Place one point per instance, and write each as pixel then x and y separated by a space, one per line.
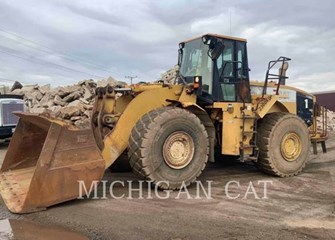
pixel 169 145
pixel 284 144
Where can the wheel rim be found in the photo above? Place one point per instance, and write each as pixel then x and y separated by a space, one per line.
pixel 291 147
pixel 178 150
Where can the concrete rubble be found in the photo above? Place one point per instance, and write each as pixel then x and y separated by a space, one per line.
pixel 170 75
pixel 330 121
pixel 72 104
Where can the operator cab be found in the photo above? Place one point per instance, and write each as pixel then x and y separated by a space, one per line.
pixel 220 65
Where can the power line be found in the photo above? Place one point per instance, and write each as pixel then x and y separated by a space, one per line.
pixel 50 50
pixel 131 78
pixel 43 62
pixel 70 57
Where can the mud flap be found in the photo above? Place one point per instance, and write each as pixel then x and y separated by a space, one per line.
pixel 44 162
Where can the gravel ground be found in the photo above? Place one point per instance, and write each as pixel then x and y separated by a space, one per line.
pixel 302 207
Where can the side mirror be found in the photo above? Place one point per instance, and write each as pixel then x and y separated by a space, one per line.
pixel 180 56
pixel 283 69
pixel 282 73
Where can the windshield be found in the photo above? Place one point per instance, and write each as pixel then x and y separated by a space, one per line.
pixel 196 62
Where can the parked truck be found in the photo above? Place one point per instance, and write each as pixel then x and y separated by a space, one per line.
pixel 9 103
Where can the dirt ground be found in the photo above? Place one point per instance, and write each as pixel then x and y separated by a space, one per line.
pixel 302 207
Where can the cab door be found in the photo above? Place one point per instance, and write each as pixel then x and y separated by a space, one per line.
pixel 231 73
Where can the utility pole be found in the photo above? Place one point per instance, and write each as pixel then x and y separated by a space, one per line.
pixel 131 78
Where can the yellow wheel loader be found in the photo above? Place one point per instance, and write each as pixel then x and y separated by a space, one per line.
pixel 168 131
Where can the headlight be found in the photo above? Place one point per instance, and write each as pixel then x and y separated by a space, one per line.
pixel 196 82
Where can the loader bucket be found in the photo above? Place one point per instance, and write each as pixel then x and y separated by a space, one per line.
pixel 44 162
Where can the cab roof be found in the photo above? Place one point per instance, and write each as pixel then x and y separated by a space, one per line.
pixel 218 36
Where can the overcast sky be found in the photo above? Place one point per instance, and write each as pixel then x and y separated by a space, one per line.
pixel 62 42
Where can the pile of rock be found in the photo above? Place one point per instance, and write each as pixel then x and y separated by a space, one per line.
pixel 72 104
pixel 330 121
pixel 170 75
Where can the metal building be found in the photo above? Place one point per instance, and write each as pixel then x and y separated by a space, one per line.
pixel 326 99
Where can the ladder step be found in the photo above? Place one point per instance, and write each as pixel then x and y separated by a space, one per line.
pixel 248 117
pixel 248 146
pixel 250 131
pixel 248 158
pixel 253 158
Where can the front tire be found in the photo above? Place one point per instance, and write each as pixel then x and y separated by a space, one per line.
pixel 169 146
pixel 284 144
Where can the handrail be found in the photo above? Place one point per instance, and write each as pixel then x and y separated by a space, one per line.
pixel 275 76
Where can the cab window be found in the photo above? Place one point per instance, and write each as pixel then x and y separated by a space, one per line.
pixel 225 65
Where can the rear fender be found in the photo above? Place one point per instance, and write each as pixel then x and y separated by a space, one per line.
pixel 272 104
